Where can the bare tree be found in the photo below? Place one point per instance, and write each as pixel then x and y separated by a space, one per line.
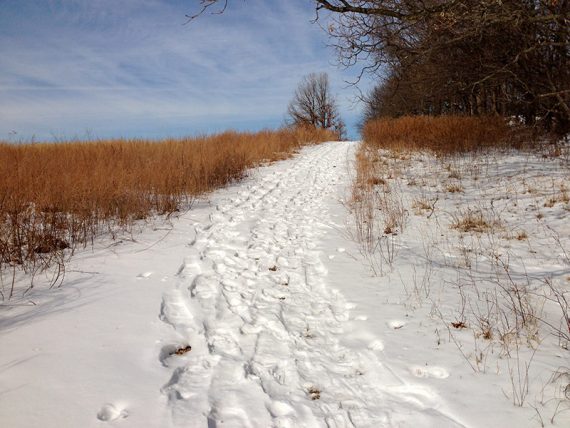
pixel 479 57
pixel 507 57
pixel 314 105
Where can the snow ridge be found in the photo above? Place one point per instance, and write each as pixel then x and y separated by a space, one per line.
pixel 252 300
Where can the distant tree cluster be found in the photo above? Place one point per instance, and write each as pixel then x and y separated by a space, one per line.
pixel 314 105
pixel 472 57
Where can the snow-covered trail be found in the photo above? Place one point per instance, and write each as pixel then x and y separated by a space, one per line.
pixel 267 328
pixel 252 284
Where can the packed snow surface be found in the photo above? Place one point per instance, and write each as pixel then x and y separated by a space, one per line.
pixel 253 309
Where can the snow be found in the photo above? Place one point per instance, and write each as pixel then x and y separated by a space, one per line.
pixel 257 308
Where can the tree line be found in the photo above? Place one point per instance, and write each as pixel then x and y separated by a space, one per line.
pixel 469 57
pixel 505 57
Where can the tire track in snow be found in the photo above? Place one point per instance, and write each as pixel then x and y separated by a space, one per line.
pixel 253 302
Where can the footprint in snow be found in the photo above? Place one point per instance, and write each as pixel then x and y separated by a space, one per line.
pixel 396 324
pixel 425 372
pixel 376 345
pixel 144 275
pixel 110 412
pixel 280 409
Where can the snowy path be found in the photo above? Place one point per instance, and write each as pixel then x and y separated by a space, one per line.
pixel 286 324
pixel 268 333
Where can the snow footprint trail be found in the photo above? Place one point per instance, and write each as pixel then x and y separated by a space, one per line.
pixel 252 301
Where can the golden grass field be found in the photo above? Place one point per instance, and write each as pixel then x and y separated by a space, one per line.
pixel 442 134
pixel 61 195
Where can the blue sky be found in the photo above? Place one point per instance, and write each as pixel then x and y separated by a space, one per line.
pixel 130 68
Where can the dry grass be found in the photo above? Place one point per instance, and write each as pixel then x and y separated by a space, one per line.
pixel 377 202
pixel 472 221
pixel 377 207
pixel 499 304
pixel 442 134
pixel 453 188
pixel 560 196
pixel 363 196
pixel 54 197
pixel 422 204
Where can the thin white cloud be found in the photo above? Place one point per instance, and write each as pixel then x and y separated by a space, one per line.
pixel 91 64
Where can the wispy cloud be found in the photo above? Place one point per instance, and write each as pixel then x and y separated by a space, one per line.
pixel 132 68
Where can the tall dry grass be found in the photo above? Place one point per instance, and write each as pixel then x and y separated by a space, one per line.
pixel 443 134
pixel 54 197
pixel 377 204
